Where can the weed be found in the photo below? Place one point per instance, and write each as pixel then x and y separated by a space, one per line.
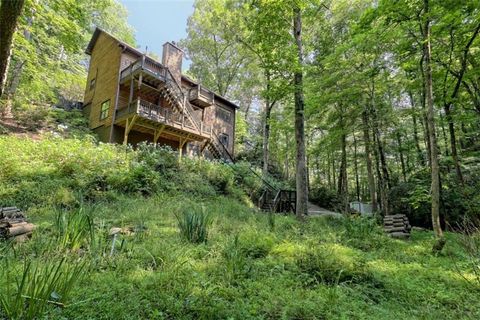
pixel 39 284
pixel 74 229
pixel 193 223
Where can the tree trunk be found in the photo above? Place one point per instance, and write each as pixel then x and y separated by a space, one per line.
pixel 402 159
pixel 426 133
pixel 355 163
pixel 9 12
pixel 301 170
pixel 420 156
pixel 368 160
pixel 453 143
pixel 435 188
pixel 266 127
pixel 342 176
pixel 287 163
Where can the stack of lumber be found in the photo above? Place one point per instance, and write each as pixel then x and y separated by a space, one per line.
pixel 397 226
pixel 13 224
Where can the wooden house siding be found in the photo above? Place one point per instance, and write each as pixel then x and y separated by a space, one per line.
pixel 104 68
pixel 149 105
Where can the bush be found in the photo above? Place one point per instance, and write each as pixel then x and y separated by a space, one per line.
pixel 193 223
pixel 324 197
pixel 30 116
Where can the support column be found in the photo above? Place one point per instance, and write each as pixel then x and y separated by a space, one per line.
pixel 157 134
pixel 128 126
pixel 181 143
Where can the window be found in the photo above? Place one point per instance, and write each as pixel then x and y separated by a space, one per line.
pixel 223 139
pixel 104 110
pixel 224 115
pixel 92 84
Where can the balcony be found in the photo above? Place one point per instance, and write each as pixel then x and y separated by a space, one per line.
pixel 201 97
pixel 147 116
pixel 152 72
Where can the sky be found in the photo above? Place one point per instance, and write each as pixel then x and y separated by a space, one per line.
pixel 158 21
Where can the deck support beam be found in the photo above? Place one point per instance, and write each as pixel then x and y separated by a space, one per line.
pixel 181 143
pixel 128 126
pixel 157 134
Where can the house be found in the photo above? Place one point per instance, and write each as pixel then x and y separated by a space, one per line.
pixel 130 97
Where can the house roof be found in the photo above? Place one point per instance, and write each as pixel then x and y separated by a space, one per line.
pixel 133 50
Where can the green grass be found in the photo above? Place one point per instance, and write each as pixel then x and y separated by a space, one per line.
pixel 253 266
pixel 300 271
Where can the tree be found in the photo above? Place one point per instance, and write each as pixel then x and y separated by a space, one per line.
pixel 9 12
pixel 301 166
pixel 435 187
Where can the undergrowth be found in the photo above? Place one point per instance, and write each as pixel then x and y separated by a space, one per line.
pixel 238 263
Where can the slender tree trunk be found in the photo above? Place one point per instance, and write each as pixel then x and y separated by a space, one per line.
pixel 301 178
pixel 287 163
pixel 420 156
pixel 368 160
pixel 435 188
pixel 266 127
pixel 380 154
pixel 334 171
pixel 453 143
pixel 329 178
pixel 355 163
pixel 402 159
pixel 10 10
pixel 426 128
pixel 342 176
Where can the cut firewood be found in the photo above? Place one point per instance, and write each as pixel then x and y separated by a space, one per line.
pixel 21 229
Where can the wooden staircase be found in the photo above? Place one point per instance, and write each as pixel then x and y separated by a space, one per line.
pixel 175 96
pixel 275 200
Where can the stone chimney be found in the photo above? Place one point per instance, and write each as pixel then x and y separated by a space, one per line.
pixel 172 59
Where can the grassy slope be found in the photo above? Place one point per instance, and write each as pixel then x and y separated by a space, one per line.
pixel 321 269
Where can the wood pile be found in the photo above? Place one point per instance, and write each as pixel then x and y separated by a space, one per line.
pixel 13 224
pixel 397 226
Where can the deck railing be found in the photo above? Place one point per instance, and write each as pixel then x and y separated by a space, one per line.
pixel 145 63
pixel 203 94
pixel 163 115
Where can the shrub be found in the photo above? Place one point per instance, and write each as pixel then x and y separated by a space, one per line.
pixel 326 265
pixel 324 197
pixel 193 223
pixel 236 264
pixel 30 116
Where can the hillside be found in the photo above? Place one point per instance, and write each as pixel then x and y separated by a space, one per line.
pixel 252 265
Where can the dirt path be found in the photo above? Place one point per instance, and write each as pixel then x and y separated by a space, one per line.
pixel 316 211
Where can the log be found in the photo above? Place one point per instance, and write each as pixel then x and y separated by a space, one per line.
pixel 15 231
pixel 399 235
pixel 394 229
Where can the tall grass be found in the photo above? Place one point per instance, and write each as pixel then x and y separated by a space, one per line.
pixel 38 284
pixel 193 223
pixel 74 229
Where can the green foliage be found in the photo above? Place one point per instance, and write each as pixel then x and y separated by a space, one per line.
pixel 323 265
pixel 47 65
pixel 39 284
pixel 193 223
pixel 30 116
pixel 75 229
pixel 324 197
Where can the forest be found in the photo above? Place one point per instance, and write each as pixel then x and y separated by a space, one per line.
pixel 344 101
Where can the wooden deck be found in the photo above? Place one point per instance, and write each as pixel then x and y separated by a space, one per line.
pixel 147 117
pixel 201 97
